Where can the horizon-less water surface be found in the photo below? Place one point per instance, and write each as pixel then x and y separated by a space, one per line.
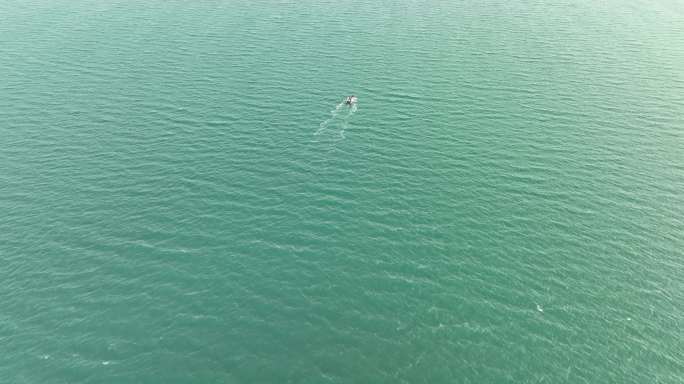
pixel 184 199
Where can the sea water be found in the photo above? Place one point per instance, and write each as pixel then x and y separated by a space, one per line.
pixel 184 198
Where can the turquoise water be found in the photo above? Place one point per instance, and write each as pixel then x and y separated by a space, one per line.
pixel 183 199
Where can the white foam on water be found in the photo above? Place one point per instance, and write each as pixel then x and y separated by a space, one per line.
pixel 337 114
pixel 345 122
pixel 333 114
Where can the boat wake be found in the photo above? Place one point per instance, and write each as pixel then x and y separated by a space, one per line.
pixel 339 117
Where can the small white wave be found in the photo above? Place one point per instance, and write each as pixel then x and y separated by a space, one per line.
pixel 333 114
pixel 337 114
